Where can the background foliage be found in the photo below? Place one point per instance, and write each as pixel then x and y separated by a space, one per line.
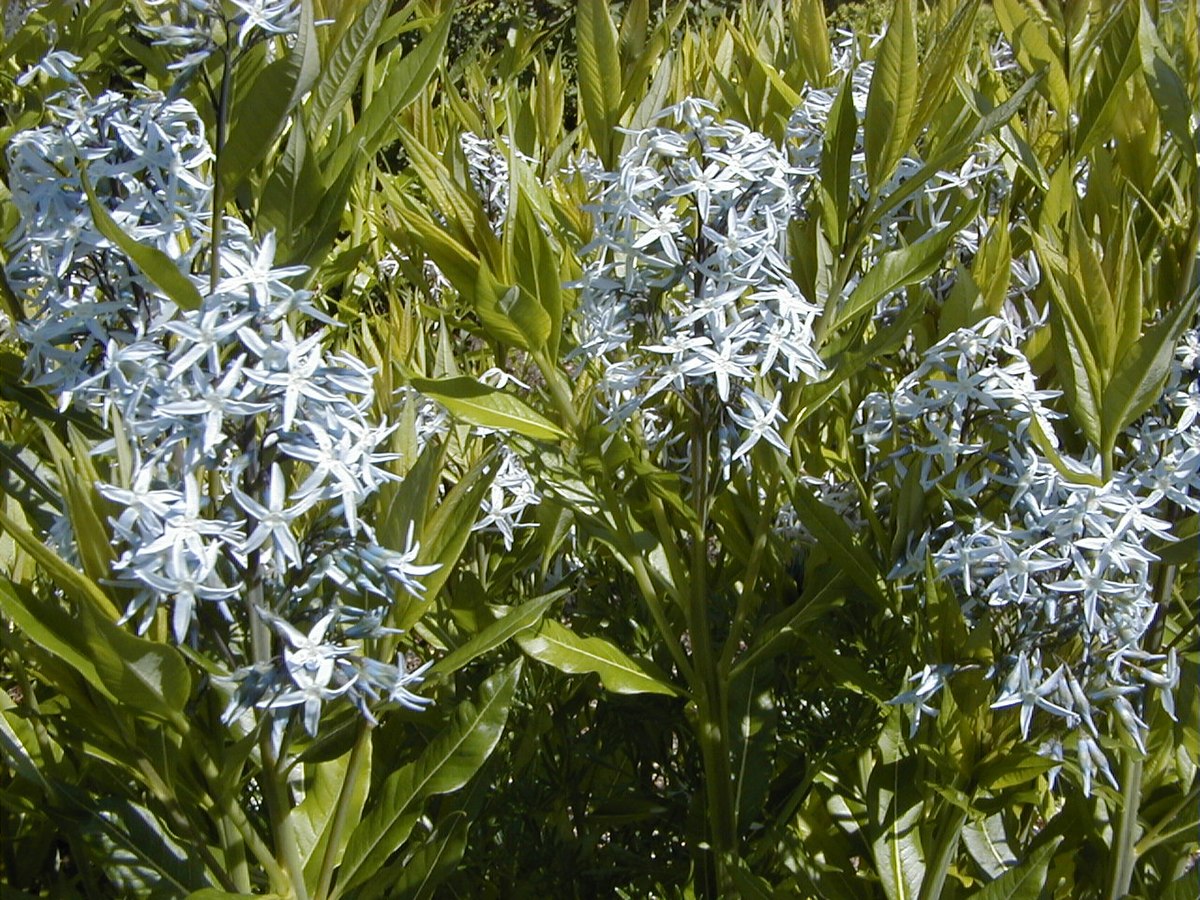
pixel 656 670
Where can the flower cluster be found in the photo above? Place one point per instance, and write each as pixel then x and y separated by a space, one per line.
pixel 253 451
pixel 1056 559
pixel 688 291
pixel 197 28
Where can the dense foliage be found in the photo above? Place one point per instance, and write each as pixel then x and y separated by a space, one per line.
pixel 647 449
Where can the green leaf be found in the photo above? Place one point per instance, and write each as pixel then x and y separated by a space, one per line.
pixel 51 628
pixel 293 190
pixel 323 786
pixel 76 584
pixel 518 619
pixel 903 267
pixel 509 313
pixel 952 152
pixel 1078 368
pixel 1026 881
pixel 599 75
pixel 896 807
pixel 834 537
pixel 258 118
pixel 405 80
pixel 1117 60
pixel 987 843
pixel 943 64
pixel 841 134
pixel 343 68
pixel 1142 371
pixel 1030 33
pixel 419 875
pixel 155 264
pixel 148 677
pixel 892 98
pixel 446 533
pixel 413 499
pixel 560 648
pixel 445 765
pixel 810 36
pixel 1169 92
pixel 480 404
pixel 535 265
pixel 1015 766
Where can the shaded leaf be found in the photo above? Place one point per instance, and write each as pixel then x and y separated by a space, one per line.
pixel 560 648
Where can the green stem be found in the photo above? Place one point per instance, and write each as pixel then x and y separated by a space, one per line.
pixel 711 697
pixel 947 845
pixel 218 201
pixel 341 812
pixel 1125 839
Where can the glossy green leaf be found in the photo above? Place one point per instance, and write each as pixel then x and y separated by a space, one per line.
pixel 892 98
pixel 445 765
pixel 535 266
pixel 312 817
pixel 419 875
pixel 1142 371
pixel 560 648
pixel 810 34
pixel 1026 881
pixel 1035 43
pixel 147 676
pixel 518 619
pixel 406 78
pixel 342 70
pixel 51 628
pixel 489 407
pixel 900 268
pixel 833 535
pixel 509 313
pixel 841 134
pixel 75 583
pixel 599 75
pixel 259 116
pixel 154 264
pixel 293 190
pixel 446 533
pixel 943 63
pixel 1166 86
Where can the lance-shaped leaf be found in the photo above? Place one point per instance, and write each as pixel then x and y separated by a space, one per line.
pixel 841 134
pixel 1168 89
pixel 1036 43
pixel 74 583
pixel 481 404
pixel 147 676
pixel 834 536
pixel 445 765
pixel 405 79
pixel 599 75
pixel 342 70
pixel 1141 373
pixel 903 267
pixel 560 648
pixel 515 621
pixel 51 628
pixel 259 117
pixel 1026 881
pixel 893 95
pixel 155 264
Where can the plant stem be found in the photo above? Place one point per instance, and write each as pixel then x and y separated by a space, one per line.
pixel 711 699
pixel 341 812
pixel 1125 839
pixel 939 864
pixel 218 200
